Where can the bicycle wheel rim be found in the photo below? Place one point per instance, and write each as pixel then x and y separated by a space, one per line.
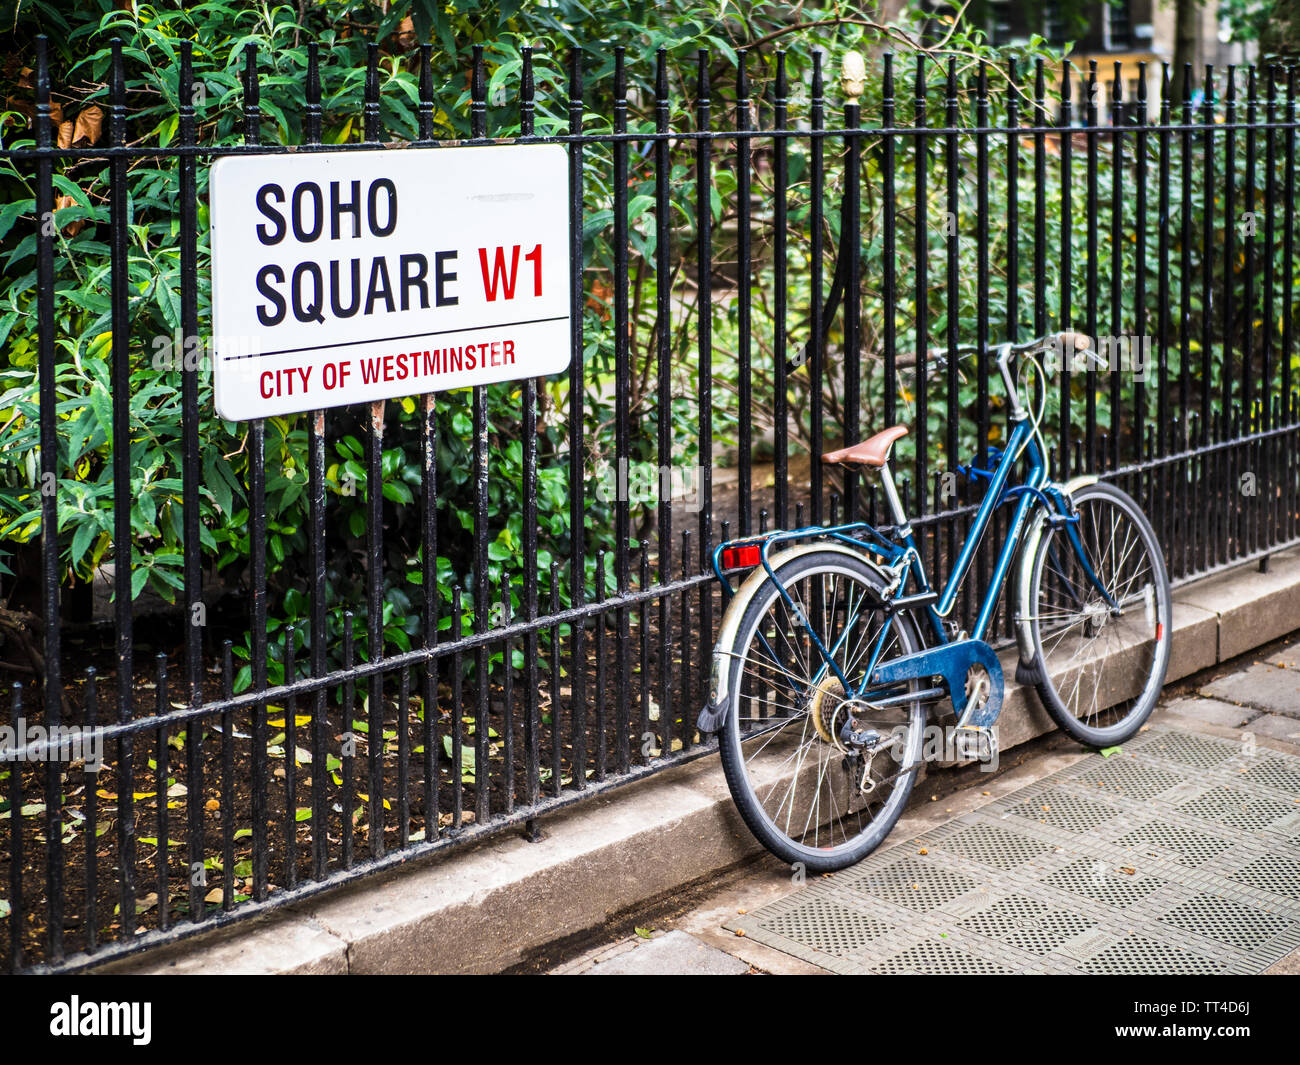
pixel 1102 673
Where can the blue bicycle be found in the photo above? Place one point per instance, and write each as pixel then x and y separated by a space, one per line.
pixel 834 648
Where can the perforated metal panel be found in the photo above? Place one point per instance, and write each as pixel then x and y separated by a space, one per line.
pixel 1226 921
pixel 1032 926
pixel 1272 873
pixel 1275 773
pixel 1095 879
pixel 1137 954
pixel 1129 865
pixel 1061 809
pixel 828 928
pixel 1232 806
pixel 913 884
pixel 1132 779
pixel 1186 846
pixel 940 958
pixel 1185 747
pixel 995 846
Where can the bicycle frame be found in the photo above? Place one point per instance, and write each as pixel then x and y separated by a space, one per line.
pixel 902 557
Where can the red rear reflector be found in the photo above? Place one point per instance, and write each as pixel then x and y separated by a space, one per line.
pixel 745 556
pixel 1160 630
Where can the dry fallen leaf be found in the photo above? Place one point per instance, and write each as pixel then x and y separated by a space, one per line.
pixel 65 134
pixel 923 851
pixel 89 125
pixel 1128 870
pixel 74 227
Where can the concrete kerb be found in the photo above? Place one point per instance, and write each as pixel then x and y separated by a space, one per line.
pixel 494 905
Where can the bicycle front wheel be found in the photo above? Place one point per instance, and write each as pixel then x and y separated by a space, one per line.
pixel 1099 660
pixel 809 796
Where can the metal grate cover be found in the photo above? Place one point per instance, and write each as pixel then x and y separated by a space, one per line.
pixel 1272 873
pixel 1038 881
pixel 940 958
pixel 1275 773
pixel 1097 880
pixel 994 845
pixel 1186 846
pixel 916 885
pixel 1032 926
pixel 828 928
pixel 1226 921
pixel 1231 806
pixel 1137 954
pixel 1185 747
pixel 1131 779
pixel 1061 809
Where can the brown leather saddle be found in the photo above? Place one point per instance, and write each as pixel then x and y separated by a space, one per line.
pixel 872 452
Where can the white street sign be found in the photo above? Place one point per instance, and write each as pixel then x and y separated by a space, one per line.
pixel 347 277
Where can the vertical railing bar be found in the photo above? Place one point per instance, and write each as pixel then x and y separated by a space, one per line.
pixel 851 247
pixel 1185 260
pixel 195 610
pixel 316 541
pixel 482 676
pixel 1117 242
pixel 817 345
pixel 780 411
pixel 622 386
pixel 744 276
pixel 1066 252
pixel 91 776
pixel 921 252
pixel 704 274
pixel 257 552
pixel 889 208
pixel 17 913
pixel 348 756
pixel 52 681
pixel 290 823
pixel 664 397
pixel 227 802
pixel 1140 262
pixel 1229 234
pixel 1248 281
pixel 374 454
pixel 1091 281
pixel 163 849
pixel 982 419
pixel 577 446
pixel 119 210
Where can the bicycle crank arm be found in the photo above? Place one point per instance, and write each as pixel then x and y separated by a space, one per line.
pixel 970 671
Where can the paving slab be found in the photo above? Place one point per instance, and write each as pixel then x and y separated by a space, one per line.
pixel 670 954
pixel 1211 711
pixel 1278 726
pixel 1287 658
pixel 1262 685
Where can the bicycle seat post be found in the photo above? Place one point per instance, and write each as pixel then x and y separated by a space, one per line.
pixel 895 504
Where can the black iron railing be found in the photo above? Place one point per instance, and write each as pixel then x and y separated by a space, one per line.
pixel 578 663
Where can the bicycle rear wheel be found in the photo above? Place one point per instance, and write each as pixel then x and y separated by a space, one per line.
pixel 807 796
pixel 1099 665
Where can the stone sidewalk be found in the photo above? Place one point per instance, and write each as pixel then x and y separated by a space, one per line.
pixel 1002 889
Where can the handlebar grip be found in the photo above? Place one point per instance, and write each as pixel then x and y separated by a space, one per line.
pixel 1078 341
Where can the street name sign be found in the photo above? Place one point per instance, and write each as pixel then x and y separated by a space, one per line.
pixel 353 276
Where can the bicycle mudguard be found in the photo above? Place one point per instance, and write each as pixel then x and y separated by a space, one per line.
pixel 714 714
pixel 1026 671
pixel 953 662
